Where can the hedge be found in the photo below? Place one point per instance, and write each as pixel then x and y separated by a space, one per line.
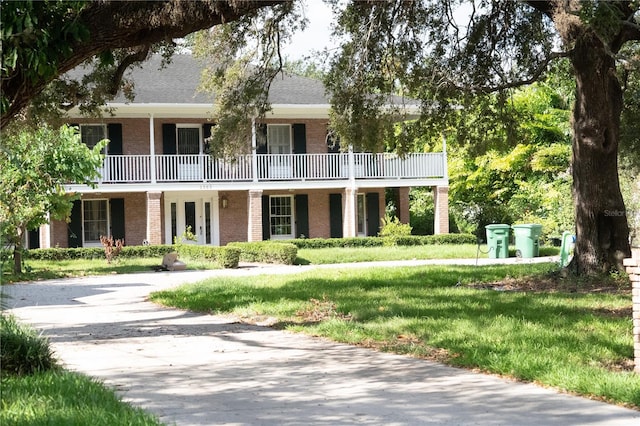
pixel 225 257
pixel 267 252
pixel 408 240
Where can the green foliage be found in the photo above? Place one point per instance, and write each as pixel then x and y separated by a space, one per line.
pixel 35 164
pixel 36 35
pixel 267 251
pixel 526 182
pixel 224 257
pixel 23 351
pixel 392 227
pixel 241 58
pixel 61 398
pixel 399 240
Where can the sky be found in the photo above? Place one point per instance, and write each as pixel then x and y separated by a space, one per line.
pixel 316 35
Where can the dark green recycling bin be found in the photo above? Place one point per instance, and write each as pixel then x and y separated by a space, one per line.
pixel 527 236
pixel 498 240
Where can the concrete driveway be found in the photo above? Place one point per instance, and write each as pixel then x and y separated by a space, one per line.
pixel 194 369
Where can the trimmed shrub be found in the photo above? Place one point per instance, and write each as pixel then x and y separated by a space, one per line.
pixel 224 257
pixel 267 252
pixel 23 351
pixel 396 240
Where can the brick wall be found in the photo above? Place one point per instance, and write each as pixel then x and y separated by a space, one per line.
pixel 233 219
pixel 441 199
pixel 633 269
pixel 153 218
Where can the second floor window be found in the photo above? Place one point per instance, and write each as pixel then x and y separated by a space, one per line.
pixel 279 138
pixel 91 134
pixel 188 140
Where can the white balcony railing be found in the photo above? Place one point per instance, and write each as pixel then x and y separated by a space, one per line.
pixel 271 167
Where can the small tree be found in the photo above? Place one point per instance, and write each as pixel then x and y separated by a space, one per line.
pixel 35 164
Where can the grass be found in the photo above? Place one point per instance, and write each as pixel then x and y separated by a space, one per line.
pixel 368 254
pixel 577 342
pixel 36 270
pixel 65 398
pixel 37 391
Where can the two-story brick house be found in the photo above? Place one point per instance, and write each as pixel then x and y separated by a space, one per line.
pixel 158 179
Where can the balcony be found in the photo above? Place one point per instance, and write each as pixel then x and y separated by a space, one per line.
pixel 140 169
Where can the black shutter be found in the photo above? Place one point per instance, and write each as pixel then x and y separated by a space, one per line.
pixel 335 215
pixel 169 138
pixel 299 138
pixel 114 131
pixel 302 215
pixel 266 221
pixel 74 228
pixel 261 138
pixel 116 206
pixel 34 239
pixel 373 214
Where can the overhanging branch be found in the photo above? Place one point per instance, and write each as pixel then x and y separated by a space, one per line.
pixel 535 76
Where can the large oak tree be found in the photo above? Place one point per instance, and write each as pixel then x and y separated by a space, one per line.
pixel 449 54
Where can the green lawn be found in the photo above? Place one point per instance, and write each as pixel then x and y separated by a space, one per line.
pixel 62 398
pixel 368 254
pixel 576 342
pixel 53 269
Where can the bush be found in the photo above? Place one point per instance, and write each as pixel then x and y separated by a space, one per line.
pixel 267 252
pixel 23 351
pixel 406 240
pixel 392 227
pixel 224 257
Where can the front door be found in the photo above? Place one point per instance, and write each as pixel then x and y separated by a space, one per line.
pixel 191 221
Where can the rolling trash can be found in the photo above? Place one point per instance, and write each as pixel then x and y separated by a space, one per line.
pixel 498 240
pixel 527 239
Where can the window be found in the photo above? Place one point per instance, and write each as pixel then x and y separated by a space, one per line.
pixel 188 140
pixel 91 134
pixel 279 138
pixel 281 216
pixel 95 215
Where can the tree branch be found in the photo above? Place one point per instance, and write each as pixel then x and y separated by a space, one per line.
pixel 117 24
pixel 513 84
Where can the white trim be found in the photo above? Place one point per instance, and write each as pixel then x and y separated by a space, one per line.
pixel 292 217
pixel 94 243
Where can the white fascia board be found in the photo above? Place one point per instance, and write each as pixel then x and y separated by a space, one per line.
pixel 165 110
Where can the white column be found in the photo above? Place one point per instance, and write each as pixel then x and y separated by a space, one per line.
pixel 152 148
pixel 349 215
pixel 254 150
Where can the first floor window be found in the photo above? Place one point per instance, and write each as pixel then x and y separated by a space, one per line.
pixel 281 216
pixel 95 220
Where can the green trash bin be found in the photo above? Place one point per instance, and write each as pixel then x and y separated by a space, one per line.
pixel 527 236
pixel 498 240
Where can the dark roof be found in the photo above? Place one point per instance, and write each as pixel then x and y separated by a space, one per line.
pixel 178 83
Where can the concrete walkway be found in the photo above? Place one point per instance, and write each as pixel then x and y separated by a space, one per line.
pixel 194 369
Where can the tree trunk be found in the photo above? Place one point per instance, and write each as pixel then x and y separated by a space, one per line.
pixel 17 252
pixel 602 231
